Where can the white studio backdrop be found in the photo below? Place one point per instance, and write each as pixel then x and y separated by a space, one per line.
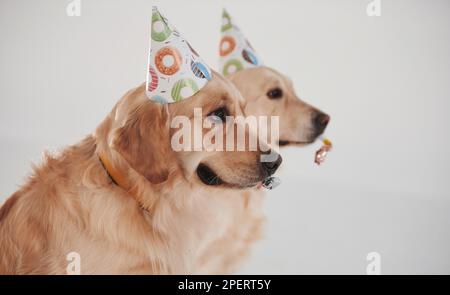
pixel 383 79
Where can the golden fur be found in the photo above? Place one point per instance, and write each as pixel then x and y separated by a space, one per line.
pixel 160 219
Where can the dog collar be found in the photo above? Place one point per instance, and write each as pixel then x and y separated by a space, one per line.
pixel 120 180
pixel 107 166
pixel 116 176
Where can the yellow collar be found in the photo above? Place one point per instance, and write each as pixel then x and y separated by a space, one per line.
pixel 116 176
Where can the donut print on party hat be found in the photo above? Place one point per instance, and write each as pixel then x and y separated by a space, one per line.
pixel 168 60
pixel 226 21
pixel 227 45
pixel 175 71
pixel 159 99
pixel 232 66
pixel 249 57
pixel 160 30
pixel 183 89
pixel 200 70
pixel 235 51
pixel 153 80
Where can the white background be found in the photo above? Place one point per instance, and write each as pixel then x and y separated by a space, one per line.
pixel 384 81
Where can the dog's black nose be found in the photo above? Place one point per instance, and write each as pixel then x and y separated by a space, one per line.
pixel 272 165
pixel 320 121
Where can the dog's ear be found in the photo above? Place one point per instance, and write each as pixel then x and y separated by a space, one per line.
pixel 144 141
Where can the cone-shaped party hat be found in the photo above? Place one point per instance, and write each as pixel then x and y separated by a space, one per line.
pixel 175 71
pixel 235 51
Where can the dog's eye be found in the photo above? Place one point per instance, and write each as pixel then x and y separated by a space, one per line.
pixel 275 93
pixel 219 115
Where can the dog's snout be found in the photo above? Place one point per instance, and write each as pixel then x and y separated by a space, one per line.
pixel 272 165
pixel 320 121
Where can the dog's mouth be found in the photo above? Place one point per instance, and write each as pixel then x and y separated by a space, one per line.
pixel 310 139
pixel 208 176
pixel 292 142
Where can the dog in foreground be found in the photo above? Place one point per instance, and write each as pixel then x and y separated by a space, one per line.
pixel 126 202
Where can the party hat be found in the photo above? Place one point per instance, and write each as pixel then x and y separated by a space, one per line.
pixel 175 71
pixel 235 51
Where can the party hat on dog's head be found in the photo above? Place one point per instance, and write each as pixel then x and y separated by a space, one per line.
pixel 175 71
pixel 235 51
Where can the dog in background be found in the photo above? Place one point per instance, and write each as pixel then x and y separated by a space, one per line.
pixel 267 93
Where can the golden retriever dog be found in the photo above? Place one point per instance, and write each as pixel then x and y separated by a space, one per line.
pixel 127 203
